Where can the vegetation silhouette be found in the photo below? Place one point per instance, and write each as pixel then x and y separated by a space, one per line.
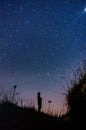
pixel 76 98
pixel 76 95
pixel 15 116
pixel 49 108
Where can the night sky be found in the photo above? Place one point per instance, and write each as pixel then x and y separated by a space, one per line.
pixel 41 43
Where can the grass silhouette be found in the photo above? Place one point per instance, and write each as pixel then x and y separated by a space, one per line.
pixel 76 95
pixel 17 117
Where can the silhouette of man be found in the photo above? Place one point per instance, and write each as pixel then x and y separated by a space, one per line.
pixel 39 99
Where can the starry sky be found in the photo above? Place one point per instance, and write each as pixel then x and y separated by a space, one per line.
pixel 41 43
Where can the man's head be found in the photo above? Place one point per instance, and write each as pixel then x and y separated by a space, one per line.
pixel 38 93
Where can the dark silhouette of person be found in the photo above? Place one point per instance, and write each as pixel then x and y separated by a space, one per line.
pixel 39 99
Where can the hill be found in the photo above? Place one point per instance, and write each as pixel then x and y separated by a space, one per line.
pixel 13 117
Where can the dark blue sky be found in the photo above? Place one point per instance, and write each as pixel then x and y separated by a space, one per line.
pixel 41 43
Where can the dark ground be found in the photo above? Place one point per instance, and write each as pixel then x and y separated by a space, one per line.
pixel 18 118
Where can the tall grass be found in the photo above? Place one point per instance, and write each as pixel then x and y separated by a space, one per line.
pixel 76 94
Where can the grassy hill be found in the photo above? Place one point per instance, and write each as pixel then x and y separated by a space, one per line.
pixel 13 117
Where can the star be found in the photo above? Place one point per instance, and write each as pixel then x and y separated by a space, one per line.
pixel 20 44
pixel 47 73
pixel 27 21
pixel 66 1
pixel 20 9
pixel 17 30
pixel 11 35
pixel 85 9
pixel 6 44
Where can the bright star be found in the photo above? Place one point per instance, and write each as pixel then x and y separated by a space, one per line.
pixel 85 9
pixel 48 74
